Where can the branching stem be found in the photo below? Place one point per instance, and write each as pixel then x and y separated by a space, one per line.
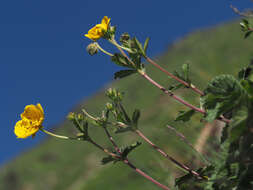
pixel 175 77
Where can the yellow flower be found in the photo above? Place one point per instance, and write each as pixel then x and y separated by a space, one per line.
pixel 98 31
pixel 32 119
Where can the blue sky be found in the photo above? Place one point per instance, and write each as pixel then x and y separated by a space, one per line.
pixel 43 57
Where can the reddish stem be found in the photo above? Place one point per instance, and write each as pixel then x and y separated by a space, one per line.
pixel 166 155
pixel 126 161
pixel 112 140
pixel 222 118
pixel 175 77
pixel 171 94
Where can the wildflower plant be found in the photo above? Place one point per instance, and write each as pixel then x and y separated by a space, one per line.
pixel 226 98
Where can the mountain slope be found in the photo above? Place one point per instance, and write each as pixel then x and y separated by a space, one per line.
pixel 57 164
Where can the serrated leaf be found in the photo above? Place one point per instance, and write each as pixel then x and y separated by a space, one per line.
pixel 129 149
pixel 121 60
pixel 219 95
pixel 248 86
pixel 145 46
pixel 136 116
pixel 238 123
pixel 185 115
pixel 124 73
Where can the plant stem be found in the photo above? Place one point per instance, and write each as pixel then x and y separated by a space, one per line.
pixel 182 166
pixel 104 51
pixel 171 94
pixel 88 115
pixel 143 74
pixel 58 136
pixel 174 77
pixel 114 42
pixel 126 161
pixel 112 140
pixel 103 149
pixel 188 143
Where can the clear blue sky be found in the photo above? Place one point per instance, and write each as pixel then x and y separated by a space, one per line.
pixel 43 57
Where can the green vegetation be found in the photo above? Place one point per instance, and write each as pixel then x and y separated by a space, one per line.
pixel 58 164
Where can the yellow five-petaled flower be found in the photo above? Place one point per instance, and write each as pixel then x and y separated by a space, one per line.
pixel 99 30
pixel 31 121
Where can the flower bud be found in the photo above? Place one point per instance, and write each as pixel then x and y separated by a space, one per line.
pixel 71 116
pixel 92 49
pixel 80 117
pixel 109 106
pixel 114 94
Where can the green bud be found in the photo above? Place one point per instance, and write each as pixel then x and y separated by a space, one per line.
pixel 92 48
pixel 80 135
pixel 109 106
pixel 80 117
pixel 114 94
pixel 71 116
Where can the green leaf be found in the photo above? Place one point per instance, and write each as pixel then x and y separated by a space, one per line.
pixel 248 86
pixel 238 123
pixel 246 72
pixel 136 116
pixel 175 87
pixel 247 34
pixel 185 115
pixel 244 25
pixel 108 159
pixel 186 68
pixel 184 73
pixel 124 73
pixel 127 118
pixel 139 47
pixel 222 94
pixel 129 149
pixel 136 58
pixel 146 45
pixel 123 129
pixel 121 60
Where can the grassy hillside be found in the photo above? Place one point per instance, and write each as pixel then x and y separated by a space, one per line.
pixel 62 165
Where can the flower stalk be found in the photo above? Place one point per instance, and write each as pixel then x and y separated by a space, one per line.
pixel 104 51
pixel 58 136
